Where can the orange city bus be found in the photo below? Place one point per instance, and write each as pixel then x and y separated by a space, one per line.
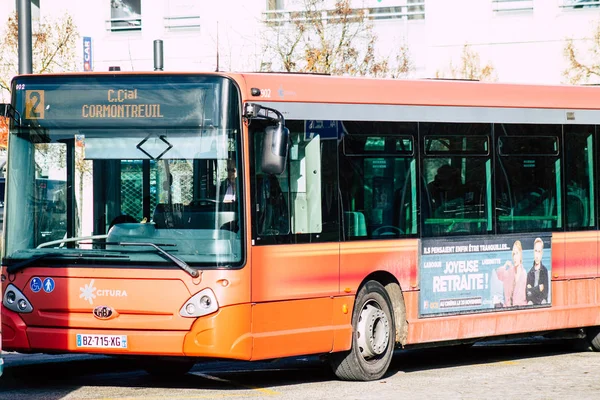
pixel 255 216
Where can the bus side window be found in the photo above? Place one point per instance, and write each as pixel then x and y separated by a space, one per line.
pixel 378 181
pixel 272 211
pixel 456 168
pixel 579 177
pixel 528 177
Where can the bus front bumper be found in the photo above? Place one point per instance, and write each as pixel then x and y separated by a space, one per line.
pixel 224 334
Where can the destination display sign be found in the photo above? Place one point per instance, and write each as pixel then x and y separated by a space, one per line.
pixel 129 102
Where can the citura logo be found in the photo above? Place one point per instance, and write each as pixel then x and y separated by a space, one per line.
pixel 89 292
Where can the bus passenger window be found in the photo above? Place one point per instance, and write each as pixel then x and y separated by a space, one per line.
pixel 456 169
pixel 446 191
pixel 528 178
pixel 377 180
pixel 579 177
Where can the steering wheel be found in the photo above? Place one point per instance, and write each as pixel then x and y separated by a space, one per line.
pixel 203 202
pixel 387 230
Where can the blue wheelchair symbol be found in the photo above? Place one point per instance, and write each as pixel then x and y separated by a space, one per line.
pixel 48 285
pixel 35 284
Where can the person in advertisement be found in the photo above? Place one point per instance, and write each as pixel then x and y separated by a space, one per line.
pixel 537 277
pixel 514 278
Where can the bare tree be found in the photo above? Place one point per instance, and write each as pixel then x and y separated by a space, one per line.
pixel 469 68
pixel 338 41
pixel 578 70
pixel 53 48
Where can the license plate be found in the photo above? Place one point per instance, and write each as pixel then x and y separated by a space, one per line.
pixel 102 341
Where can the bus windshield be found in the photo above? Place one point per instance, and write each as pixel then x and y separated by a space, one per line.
pixel 102 163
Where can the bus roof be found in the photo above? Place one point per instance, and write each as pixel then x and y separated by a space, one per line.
pixel 426 92
pixel 313 88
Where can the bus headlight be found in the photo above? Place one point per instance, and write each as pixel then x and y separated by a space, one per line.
pixel 22 304
pixel 205 302
pixel 190 308
pixel 200 304
pixel 11 296
pixel 16 301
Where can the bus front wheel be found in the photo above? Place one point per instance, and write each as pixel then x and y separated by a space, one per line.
pixel 373 337
pixel 593 336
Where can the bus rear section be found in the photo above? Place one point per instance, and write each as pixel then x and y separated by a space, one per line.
pixel 122 236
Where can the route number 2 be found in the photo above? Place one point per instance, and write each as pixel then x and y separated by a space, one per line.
pixel 34 104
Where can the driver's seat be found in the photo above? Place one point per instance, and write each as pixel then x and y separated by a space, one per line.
pixel 168 216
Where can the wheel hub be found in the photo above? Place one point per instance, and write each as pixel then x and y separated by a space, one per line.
pixel 373 332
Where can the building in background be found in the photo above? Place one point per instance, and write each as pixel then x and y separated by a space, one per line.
pixel 522 39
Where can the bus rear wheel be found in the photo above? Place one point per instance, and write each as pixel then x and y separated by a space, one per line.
pixel 593 336
pixel 373 337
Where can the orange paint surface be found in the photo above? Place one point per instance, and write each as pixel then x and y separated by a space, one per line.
pixel 348 90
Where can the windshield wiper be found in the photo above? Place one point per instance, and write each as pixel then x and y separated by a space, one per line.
pixel 177 261
pixel 11 269
pixel 69 240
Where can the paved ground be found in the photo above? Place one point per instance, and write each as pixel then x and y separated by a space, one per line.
pixel 528 370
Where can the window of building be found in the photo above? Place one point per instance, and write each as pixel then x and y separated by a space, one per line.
pixel 580 3
pixel 275 5
pixel 35 10
pixel 404 9
pixel 281 11
pixel 182 14
pixel 512 5
pixel 125 15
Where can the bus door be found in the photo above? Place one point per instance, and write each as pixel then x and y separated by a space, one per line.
pixel 295 253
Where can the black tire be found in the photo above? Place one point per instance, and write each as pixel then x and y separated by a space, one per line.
pixel 373 339
pixel 593 336
pixel 167 367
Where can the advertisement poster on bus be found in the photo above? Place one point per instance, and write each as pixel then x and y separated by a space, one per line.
pixel 491 273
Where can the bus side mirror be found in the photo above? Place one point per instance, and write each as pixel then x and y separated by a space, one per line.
pixel 8 111
pixel 275 149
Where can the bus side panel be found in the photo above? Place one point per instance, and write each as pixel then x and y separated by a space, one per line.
pixel 569 310
pixel 342 322
pixel 574 301
pixel 296 271
pixel 288 328
pixel 581 255
pixel 293 287
pixel 359 259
